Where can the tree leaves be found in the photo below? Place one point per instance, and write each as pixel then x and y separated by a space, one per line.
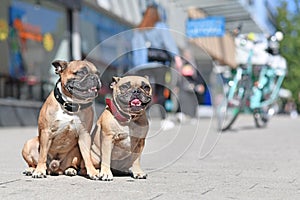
pixel 289 23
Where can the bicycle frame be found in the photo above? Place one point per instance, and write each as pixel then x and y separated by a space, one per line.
pixel 267 78
pixel 240 72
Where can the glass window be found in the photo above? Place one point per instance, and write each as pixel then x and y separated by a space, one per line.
pixel 100 28
pixel 4 34
pixel 38 34
pixel 103 45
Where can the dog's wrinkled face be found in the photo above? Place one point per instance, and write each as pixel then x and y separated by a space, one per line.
pixel 79 79
pixel 132 94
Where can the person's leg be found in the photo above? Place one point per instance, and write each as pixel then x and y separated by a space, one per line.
pixel 161 100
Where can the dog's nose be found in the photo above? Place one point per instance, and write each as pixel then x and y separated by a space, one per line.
pixel 136 91
pixel 94 77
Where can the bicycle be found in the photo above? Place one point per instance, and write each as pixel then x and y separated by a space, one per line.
pixel 246 93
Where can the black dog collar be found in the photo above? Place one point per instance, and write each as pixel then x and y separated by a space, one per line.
pixel 67 105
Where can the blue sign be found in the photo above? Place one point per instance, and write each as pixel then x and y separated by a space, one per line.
pixel 205 27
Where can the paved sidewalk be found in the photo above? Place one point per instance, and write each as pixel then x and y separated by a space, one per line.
pixel 246 163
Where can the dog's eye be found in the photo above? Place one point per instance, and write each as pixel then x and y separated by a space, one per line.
pixel 124 87
pixel 81 72
pixel 146 88
pixel 78 73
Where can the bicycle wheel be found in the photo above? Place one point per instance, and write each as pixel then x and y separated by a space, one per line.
pixel 234 105
pixel 261 117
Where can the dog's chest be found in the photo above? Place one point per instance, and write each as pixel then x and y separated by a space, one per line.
pixel 65 131
pixel 65 121
pixel 122 135
pixel 122 143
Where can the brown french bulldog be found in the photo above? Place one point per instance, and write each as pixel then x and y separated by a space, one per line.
pixel 64 124
pixel 119 138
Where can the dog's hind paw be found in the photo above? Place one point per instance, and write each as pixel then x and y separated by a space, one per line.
pixel 71 172
pixel 29 171
pixel 140 175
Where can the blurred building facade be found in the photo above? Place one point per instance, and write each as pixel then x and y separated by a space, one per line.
pixel 33 33
pixel 36 32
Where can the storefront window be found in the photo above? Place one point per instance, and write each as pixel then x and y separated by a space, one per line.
pixel 100 28
pixel 38 34
pixel 96 32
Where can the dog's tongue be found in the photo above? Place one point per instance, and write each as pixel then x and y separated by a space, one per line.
pixel 136 102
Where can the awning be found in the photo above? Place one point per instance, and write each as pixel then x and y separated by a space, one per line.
pixel 233 11
pixel 221 49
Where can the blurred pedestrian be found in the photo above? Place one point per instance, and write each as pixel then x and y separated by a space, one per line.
pixel 191 89
pixel 155 48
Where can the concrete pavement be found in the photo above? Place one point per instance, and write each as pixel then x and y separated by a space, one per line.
pixel 245 163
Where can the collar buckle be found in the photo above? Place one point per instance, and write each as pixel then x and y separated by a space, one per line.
pixel 71 107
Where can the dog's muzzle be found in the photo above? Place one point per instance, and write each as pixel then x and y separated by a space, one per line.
pixel 86 88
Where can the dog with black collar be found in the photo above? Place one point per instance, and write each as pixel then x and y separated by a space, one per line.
pixel 65 121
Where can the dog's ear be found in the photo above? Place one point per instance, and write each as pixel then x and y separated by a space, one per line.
pixel 146 77
pixel 59 65
pixel 115 80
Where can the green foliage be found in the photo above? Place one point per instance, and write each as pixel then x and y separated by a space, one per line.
pixel 289 23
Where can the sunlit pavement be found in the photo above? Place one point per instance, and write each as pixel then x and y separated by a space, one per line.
pixel 190 161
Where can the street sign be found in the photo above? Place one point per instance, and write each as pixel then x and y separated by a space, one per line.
pixel 206 27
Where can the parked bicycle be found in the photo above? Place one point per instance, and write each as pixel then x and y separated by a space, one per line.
pixel 256 82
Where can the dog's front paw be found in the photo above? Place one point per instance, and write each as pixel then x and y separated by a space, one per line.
pixel 39 174
pixel 29 171
pixel 71 172
pixel 106 175
pixel 93 174
pixel 139 175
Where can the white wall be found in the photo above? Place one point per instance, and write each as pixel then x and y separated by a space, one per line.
pixel 176 20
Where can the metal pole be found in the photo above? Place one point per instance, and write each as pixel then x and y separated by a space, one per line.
pixel 76 40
